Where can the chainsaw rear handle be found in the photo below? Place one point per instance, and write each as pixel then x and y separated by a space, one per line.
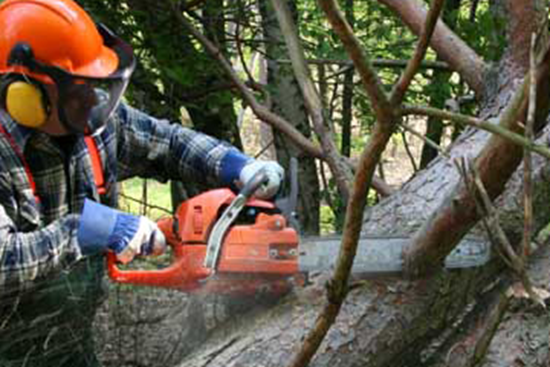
pixel 185 272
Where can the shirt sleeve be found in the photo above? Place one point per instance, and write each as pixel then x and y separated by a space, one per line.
pixel 28 257
pixel 148 147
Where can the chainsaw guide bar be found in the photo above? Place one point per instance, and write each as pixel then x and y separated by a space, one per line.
pixel 383 254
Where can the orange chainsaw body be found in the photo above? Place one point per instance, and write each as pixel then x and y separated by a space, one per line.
pixel 259 251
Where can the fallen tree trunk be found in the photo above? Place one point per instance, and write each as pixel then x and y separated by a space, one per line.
pixel 386 322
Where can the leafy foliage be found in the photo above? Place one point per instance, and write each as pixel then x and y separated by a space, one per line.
pixel 174 71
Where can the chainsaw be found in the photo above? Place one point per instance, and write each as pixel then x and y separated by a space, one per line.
pixel 229 243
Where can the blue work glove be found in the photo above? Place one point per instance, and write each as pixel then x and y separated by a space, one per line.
pixel 275 174
pixel 102 228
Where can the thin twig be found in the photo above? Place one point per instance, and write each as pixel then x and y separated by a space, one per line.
pixel 409 153
pixel 489 214
pixel 426 140
pixel 327 196
pixel 141 202
pixel 321 125
pixel 504 253
pixel 264 149
pixel 337 288
pixel 238 46
pixel 386 63
pixel 527 160
pixel 361 61
pixel 261 111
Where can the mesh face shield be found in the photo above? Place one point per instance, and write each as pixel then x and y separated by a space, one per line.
pixel 85 103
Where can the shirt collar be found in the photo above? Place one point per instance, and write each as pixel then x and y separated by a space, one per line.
pixel 20 134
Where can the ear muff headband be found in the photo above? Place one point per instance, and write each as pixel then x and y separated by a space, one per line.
pixel 25 102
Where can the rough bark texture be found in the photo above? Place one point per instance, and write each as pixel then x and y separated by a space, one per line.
pixel 496 162
pixel 387 322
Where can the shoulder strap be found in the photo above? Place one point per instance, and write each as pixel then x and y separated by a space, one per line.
pixel 19 154
pixel 96 165
pixel 97 168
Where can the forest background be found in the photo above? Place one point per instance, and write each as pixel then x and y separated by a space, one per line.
pixel 332 84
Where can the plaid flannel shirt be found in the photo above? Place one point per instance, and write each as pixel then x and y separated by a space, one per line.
pixel 38 239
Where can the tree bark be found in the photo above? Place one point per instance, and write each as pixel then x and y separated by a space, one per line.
pixel 389 322
pixel 496 162
pixel 386 322
pixel 287 101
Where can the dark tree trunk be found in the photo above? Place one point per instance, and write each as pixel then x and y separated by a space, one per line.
pixel 287 101
pixel 347 95
pixel 439 92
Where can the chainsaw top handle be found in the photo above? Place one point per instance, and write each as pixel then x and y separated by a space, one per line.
pixel 227 218
pixel 254 184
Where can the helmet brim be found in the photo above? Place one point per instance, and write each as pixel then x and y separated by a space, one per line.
pixel 105 64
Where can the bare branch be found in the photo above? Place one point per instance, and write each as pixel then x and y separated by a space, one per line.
pixel 383 63
pixel 261 111
pixel 518 262
pixel 409 153
pixel 527 161
pixel 426 140
pixel 414 63
pixel 341 173
pixel 498 130
pixel 445 42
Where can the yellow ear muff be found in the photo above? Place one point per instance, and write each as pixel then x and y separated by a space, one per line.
pixel 24 102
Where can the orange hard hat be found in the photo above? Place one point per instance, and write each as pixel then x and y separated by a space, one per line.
pixel 60 34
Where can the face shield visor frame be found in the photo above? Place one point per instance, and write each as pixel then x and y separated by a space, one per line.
pixel 85 103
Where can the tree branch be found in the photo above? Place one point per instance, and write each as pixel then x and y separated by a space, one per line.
pixel 384 63
pixel 370 157
pixel 496 163
pixel 527 160
pixel 490 217
pixel 414 63
pixel 341 172
pixel 445 42
pixel 426 140
pixel 261 111
pixel 501 131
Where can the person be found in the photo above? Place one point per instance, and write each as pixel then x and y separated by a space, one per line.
pixel 62 78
